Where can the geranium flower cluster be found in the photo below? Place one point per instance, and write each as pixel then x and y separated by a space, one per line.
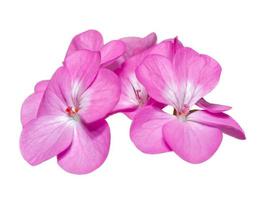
pixel 65 116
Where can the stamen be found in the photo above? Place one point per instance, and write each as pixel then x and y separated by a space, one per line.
pixel 137 94
pixel 183 112
pixel 71 111
pixel 68 109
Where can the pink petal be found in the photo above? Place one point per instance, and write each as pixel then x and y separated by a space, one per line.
pixel 221 121
pixel 57 96
pixel 157 75
pixel 83 66
pixel 101 97
pixel 211 107
pixel 45 137
pixel 90 40
pixel 196 75
pixel 88 150
pixel 41 86
pixel 111 51
pixel 191 141
pixel 135 45
pixel 30 107
pixel 146 130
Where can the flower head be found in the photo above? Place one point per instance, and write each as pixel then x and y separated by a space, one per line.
pixel 70 121
pixel 134 95
pixel 180 79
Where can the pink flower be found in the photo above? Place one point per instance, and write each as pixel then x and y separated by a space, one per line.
pixel 69 122
pixel 134 95
pixel 113 54
pixel 180 80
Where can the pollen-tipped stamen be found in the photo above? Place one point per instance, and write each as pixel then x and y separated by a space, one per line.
pixel 72 112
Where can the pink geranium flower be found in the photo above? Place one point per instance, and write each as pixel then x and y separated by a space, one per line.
pixel 113 54
pixel 134 95
pixel 69 122
pixel 180 80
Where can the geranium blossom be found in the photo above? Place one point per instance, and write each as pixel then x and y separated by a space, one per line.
pixel 70 121
pixel 113 54
pixel 180 80
pixel 133 94
pixel 65 116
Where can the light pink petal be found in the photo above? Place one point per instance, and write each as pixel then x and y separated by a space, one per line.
pixel 45 137
pixel 41 86
pixel 146 130
pixel 57 96
pixel 30 107
pixel 111 51
pixel 135 45
pixel 90 40
pixel 156 74
pixel 221 121
pixel 83 66
pixel 88 150
pixel 211 107
pixel 192 141
pixel 101 97
pixel 196 75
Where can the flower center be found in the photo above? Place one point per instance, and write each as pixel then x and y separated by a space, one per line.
pixel 72 112
pixel 182 114
pixel 141 98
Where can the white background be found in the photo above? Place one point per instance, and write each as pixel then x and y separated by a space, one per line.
pixel 34 36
